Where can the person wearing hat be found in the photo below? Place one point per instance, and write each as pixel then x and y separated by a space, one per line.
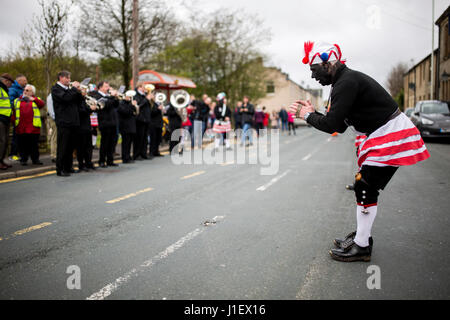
pixel 222 124
pixel 6 82
pixel 391 141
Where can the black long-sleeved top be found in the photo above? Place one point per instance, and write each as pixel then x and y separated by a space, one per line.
pixel 247 116
pixel 85 116
pixel 175 120
pixel 66 105
pixel 218 112
pixel 356 100
pixel 107 117
pixel 127 117
pixel 201 112
pixel 144 108
pixel 156 116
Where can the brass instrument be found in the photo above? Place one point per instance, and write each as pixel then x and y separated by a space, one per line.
pixel 160 97
pixel 149 88
pixel 100 104
pixel 180 99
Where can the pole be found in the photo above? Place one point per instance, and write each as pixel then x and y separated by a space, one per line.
pixel 135 41
pixel 432 51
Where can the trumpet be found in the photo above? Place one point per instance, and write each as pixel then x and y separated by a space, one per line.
pixel 100 104
pixel 129 93
pixel 149 88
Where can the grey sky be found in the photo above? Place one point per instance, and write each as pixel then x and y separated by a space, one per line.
pixel 402 33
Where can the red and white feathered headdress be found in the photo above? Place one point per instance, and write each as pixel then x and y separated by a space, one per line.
pixel 318 52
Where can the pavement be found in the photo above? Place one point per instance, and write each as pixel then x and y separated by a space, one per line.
pixel 158 230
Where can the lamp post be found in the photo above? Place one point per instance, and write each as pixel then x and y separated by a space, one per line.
pixel 432 51
pixel 135 41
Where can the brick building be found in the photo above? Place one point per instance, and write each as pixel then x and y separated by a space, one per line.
pixel 444 56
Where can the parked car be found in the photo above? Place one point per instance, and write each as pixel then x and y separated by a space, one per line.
pixel 300 122
pixel 409 112
pixel 432 118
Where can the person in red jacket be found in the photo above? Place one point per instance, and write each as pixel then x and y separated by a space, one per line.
pixel 266 118
pixel 27 118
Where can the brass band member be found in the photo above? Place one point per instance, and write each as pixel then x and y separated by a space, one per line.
pixel 140 144
pixel 66 103
pixel 128 110
pixel 107 123
pixel 84 141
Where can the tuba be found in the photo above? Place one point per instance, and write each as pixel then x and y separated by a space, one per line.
pixel 180 99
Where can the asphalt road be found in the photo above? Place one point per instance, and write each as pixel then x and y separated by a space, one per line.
pixel 156 230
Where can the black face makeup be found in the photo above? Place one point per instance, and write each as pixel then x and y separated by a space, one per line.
pixel 321 74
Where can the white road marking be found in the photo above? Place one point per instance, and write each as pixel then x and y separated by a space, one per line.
pixel 309 155
pixel 113 286
pixel 274 180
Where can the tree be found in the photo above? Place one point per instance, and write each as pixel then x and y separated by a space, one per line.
pixel 221 53
pixel 107 26
pixel 395 78
pixel 46 35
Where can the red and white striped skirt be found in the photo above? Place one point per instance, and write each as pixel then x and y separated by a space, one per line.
pixel 397 143
pixel 221 126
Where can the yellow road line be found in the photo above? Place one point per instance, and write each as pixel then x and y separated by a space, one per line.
pixel 26 230
pixel 193 175
pixel 131 195
pixel 29 177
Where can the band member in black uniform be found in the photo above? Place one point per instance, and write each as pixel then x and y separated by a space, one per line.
pixel 66 103
pixel 142 122
pixel 107 123
pixel 156 124
pixel 391 140
pixel 175 122
pixel 84 143
pixel 128 110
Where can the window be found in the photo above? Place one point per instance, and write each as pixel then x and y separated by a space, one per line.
pixel 270 87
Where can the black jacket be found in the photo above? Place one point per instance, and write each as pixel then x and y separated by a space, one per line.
pixel 85 116
pixel 356 100
pixel 201 112
pixel 107 117
pixel 247 116
pixel 237 115
pixel 144 108
pixel 66 105
pixel 127 117
pixel 156 117
pixel 218 112
pixel 175 120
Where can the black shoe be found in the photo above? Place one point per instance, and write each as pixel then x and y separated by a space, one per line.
pixel 102 165
pixel 353 253
pixel 54 160
pixel 23 163
pixel 85 169
pixel 345 243
pixel 158 155
pixel 38 162
pixel 63 174
pixel 113 165
pixel 350 187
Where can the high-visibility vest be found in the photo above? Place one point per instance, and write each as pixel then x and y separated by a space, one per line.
pixel 36 113
pixel 5 104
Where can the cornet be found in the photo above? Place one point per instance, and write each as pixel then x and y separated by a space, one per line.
pixel 149 88
pixel 100 104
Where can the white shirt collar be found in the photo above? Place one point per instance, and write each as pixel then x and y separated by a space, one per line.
pixel 103 94
pixel 65 87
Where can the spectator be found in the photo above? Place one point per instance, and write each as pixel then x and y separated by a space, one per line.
pixel 247 112
pixel 5 117
pixel 274 120
pixel 52 130
pixel 266 118
pixel 284 119
pixel 27 121
pixel 237 116
pixel 259 119
pixel 15 92
pixel 291 122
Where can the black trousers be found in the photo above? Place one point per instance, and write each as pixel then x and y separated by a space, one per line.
pixel 107 145
pixel 28 144
pixel 66 141
pixel 84 149
pixel 155 140
pixel 140 142
pixel 291 126
pixel 127 141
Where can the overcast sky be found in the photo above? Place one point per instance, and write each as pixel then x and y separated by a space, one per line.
pixel 374 35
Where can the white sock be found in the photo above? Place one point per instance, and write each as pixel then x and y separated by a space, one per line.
pixel 227 143
pixel 217 142
pixel 364 225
